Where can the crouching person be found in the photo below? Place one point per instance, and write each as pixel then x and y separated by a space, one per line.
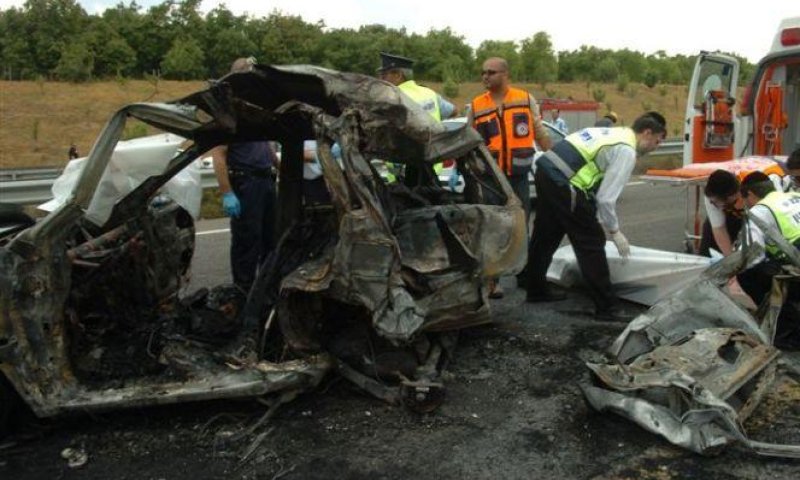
pixel 773 214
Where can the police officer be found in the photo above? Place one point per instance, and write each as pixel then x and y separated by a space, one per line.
pixel 578 183
pixel 246 182
pixel 397 71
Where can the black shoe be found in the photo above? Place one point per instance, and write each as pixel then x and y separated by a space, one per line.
pixel 545 296
pixel 614 314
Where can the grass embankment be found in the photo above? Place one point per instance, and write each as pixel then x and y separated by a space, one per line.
pixel 40 120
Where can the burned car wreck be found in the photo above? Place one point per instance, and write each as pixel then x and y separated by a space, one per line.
pixel 372 286
pixel 697 365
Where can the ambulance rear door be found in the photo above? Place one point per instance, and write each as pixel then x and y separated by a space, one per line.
pixel 709 121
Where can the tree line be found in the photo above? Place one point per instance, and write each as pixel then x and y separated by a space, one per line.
pixel 57 39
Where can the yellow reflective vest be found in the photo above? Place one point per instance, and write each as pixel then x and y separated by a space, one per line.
pixel 785 207
pixel 424 97
pixel 588 143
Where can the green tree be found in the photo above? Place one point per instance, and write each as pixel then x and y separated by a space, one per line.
pixel 650 78
pixel 503 49
pixel 229 45
pixel 289 39
pixel 155 38
pixel 184 60
pixel 539 63
pixel 606 71
pixel 439 55
pixel 48 25
pixel 112 53
pixel 76 62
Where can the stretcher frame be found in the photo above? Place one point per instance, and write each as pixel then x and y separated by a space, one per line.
pixel 693 220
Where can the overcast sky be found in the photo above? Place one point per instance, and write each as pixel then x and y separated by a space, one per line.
pixel 676 26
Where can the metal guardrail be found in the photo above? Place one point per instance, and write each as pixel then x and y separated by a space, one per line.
pixel 670 146
pixel 18 174
pixel 28 192
pixel 33 185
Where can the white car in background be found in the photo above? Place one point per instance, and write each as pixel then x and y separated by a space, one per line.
pixel 453 123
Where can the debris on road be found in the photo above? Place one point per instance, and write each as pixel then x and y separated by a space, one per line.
pixel 695 366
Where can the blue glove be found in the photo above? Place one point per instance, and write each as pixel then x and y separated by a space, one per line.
pixel 231 205
pixel 453 182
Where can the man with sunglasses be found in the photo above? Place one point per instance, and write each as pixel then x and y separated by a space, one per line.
pixel 509 121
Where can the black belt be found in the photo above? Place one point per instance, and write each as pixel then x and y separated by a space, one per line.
pixel 255 172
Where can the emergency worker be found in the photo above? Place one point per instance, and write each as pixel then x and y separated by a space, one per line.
pixel 724 207
pixel 724 213
pixel 398 71
pixel 244 172
pixel 769 209
pixel 578 183
pixel 508 119
pixel 792 179
pixel 609 120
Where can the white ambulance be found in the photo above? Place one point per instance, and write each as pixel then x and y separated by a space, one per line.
pixel 767 120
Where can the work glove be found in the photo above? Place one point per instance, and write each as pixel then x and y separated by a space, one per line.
pixel 623 247
pixel 230 205
pixel 453 181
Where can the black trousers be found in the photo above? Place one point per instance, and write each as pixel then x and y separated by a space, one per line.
pixel 733 225
pixel 252 233
pixel 554 219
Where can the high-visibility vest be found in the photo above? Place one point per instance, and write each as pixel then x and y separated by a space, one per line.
pixel 510 138
pixel 785 207
pixel 573 159
pixel 424 97
pixel 429 101
pixel 588 143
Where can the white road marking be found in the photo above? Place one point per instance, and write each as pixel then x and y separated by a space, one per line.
pixel 212 232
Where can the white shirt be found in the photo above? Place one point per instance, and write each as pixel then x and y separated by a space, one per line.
pixel 617 161
pixel 763 213
pixel 716 215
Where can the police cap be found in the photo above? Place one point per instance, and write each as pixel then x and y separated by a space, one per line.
pixel 390 61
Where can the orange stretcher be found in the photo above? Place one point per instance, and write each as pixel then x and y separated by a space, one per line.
pixel 695 175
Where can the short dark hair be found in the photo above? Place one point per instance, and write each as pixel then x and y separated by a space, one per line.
pixel 793 162
pixel 759 183
pixel 653 121
pixel 721 184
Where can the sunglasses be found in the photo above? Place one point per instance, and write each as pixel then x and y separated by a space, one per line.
pixel 489 73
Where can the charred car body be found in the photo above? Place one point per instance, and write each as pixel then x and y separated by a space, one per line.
pixel 373 285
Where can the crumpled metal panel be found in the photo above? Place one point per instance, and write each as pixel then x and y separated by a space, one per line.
pixel 693 367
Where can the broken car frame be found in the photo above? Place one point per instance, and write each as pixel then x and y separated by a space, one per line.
pixel 373 285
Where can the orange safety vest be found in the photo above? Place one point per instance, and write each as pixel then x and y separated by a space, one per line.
pixel 510 137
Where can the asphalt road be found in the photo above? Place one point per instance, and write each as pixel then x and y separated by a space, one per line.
pixel 652 216
pixel 513 407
